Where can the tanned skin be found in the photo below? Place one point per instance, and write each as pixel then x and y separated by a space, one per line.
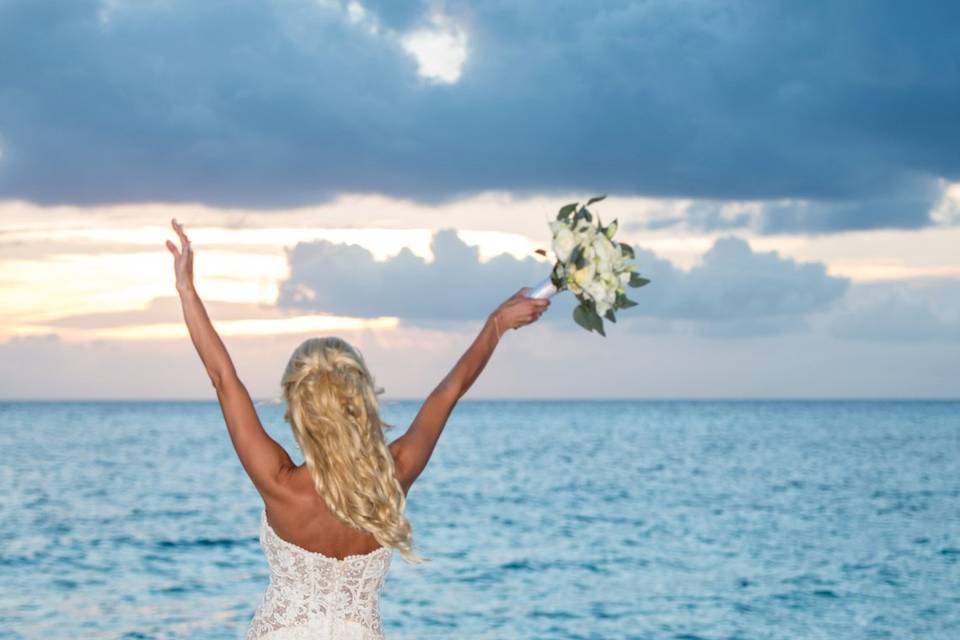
pixel 295 510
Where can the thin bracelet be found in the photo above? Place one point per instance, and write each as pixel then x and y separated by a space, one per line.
pixel 496 324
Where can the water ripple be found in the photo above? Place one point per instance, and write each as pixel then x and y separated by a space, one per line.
pixel 593 520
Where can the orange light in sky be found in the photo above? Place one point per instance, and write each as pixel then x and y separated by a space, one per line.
pixel 251 327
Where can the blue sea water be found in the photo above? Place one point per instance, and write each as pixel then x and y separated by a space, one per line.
pixel 599 519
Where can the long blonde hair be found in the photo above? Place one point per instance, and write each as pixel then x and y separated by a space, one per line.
pixel 332 407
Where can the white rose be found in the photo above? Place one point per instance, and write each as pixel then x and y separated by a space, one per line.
pixel 603 247
pixel 596 290
pixel 584 276
pixel 563 243
pixel 612 296
pixel 602 299
pixel 605 252
pixel 611 281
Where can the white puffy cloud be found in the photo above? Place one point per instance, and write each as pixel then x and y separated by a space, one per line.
pixel 734 290
pixel 455 285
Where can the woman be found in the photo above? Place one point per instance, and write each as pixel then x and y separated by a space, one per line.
pixel 329 526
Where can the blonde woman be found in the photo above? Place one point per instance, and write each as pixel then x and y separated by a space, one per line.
pixel 329 526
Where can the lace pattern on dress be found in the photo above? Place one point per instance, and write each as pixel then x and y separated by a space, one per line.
pixel 314 596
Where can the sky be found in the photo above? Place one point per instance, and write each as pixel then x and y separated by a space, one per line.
pixel 385 171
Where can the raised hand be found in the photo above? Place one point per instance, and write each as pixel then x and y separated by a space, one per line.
pixel 519 310
pixel 182 258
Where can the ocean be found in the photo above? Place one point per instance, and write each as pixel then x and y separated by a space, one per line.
pixel 542 519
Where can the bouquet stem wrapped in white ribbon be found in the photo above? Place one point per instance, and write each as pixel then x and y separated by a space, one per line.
pixel 591 264
pixel 543 289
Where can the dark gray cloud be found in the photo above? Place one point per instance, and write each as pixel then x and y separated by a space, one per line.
pixel 908 206
pixel 734 291
pixel 284 102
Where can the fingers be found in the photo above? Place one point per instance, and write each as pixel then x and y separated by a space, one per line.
pixel 520 310
pixel 528 306
pixel 173 249
pixel 184 240
pixel 540 308
pixel 539 305
pixel 529 310
pixel 535 304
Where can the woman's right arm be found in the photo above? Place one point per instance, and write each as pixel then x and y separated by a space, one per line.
pixel 413 449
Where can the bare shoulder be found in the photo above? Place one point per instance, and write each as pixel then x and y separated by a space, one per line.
pixel 296 495
pixel 292 481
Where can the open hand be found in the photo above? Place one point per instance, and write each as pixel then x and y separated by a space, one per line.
pixel 519 310
pixel 182 258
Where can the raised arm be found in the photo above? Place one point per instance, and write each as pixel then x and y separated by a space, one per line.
pixel 413 449
pixel 264 460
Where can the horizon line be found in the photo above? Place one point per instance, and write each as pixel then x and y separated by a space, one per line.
pixel 268 401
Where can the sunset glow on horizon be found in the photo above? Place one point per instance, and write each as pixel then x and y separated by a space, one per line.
pixel 798 221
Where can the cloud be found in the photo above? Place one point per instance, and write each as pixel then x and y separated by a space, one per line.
pixel 734 291
pixel 49 367
pixel 408 362
pixel 345 279
pixel 440 51
pixel 915 204
pixel 165 310
pixel 901 313
pixel 845 110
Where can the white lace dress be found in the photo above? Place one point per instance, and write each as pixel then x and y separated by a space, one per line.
pixel 318 597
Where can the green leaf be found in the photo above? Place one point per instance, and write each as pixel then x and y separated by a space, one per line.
pixel 626 250
pixel 626 303
pixel 607 231
pixel 566 210
pixel 609 315
pixel 598 324
pixel 595 199
pixel 582 214
pixel 576 256
pixel 581 317
pixel 637 281
pixel 555 279
pixel 586 316
pixel 559 282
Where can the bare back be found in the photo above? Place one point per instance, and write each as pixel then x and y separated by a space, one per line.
pixel 294 509
pixel 301 516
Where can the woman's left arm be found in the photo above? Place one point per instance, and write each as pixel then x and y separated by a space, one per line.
pixel 264 460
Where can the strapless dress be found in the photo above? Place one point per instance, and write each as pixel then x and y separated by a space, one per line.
pixel 316 597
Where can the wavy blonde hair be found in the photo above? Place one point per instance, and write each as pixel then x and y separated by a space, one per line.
pixel 332 406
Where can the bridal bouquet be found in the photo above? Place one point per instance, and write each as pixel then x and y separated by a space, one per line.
pixel 591 264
